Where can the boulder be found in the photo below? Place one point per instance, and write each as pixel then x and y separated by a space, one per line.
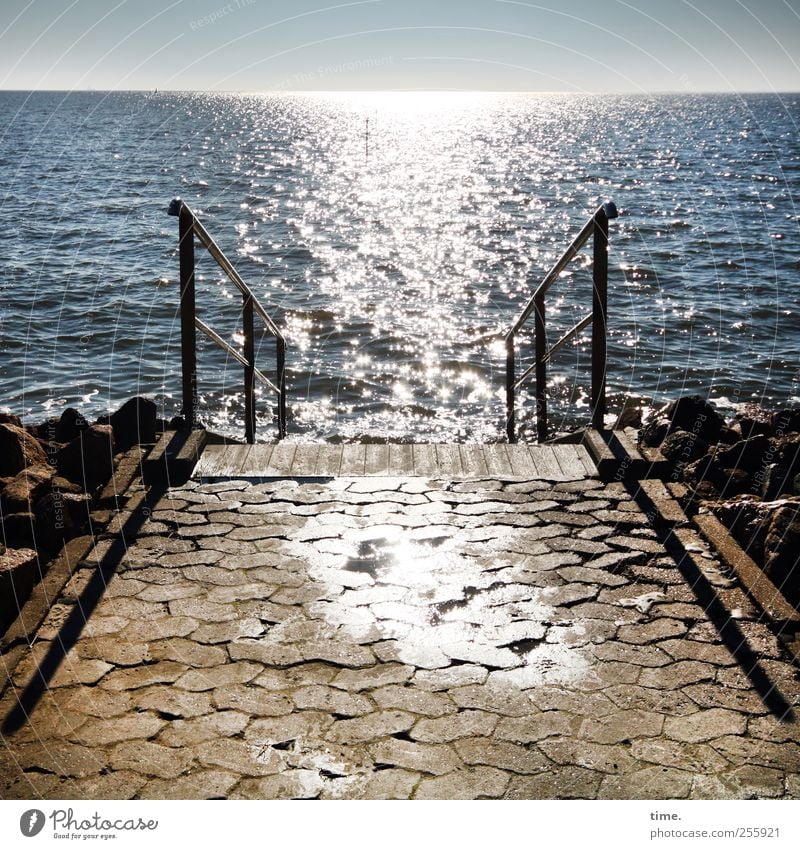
pixel 786 421
pixel 71 424
pixel 691 413
pixel 10 418
pixel 134 423
pixel 682 447
pixel 752 420
pixel 26 488
pixel 19 571
pixel 54 523
pixel 89 458
pixel 748 454
pixel 18 450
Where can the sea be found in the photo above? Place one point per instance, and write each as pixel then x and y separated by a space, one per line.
pixel 394 237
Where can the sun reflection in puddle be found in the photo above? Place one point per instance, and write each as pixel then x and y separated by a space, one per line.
pixel 419 598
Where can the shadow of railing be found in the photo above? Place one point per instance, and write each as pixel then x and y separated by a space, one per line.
pixel 82 610
pixel 729 631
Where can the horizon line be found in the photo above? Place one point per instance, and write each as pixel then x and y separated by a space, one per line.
pixel 394 91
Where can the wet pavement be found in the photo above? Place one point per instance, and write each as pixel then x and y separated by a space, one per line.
pixel 394 638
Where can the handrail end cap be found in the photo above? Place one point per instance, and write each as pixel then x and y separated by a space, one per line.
pixel 610 209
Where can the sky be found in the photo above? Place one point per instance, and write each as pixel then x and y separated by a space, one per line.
pixel 495 45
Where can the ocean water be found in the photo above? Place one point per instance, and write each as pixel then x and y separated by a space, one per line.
pixel 395 236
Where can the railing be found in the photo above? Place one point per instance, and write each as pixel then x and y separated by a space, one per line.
pixel 188 227
pixel 597 228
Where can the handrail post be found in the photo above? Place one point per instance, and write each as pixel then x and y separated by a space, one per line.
pixel 188 310
pixel 510 390
pixel 599 317
pixel 249 370
pixel 281 368
pixel 541 367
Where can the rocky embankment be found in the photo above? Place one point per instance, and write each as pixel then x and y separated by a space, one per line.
pixel 746 470
pixel 50 475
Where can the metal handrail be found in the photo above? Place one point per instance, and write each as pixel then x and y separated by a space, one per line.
pixel 597 229
pixel 190 226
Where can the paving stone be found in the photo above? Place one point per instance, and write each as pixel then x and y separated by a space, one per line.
pixel 251 700
pixel 101 732
pixel 113 785
pixel 745 782
pixel 165 671
pixel 507 701
pixel 187 652
pixel 677 675
pixel 233 633
pixel 160 629
pixel 389 784
pixel 292 784
pixel 740 751
pixel 564 782
pixel 623 726
pixel 655 782
pixel 568 751
pixel 319 697
pixel 696 758
pixel 92 701
pixel 418 757
pixel 373 677
pixel 373 726
pixel 717 695
pixel 668 702
pixel 705 725
pixel 531 728
pixel 218 676
pixel 659 629
pixel 300 726
pixel 59 756
pixel 239 756
pixel 169 702
pixel 468 723
pixel 199 784
pixel 219 725
pixel 480 782
pixel 150 759
pixel 682 649
pixel 508 756
pixel 202 609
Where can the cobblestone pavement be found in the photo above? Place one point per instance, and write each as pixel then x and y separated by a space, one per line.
pixel 393 638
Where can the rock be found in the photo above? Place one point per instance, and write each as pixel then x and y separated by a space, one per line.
pixel 753 421
pixel 776 480
pixel 691 413
pixel 53 521
pixel 19 571
pixel 707 471
pixel 654 432
pixel 782 550
pixel 682 447
pixel 134 423
pixel 89 458
pixel 70 425
pixel 18 450
pixel 10 418
pixel 747 454
pixel 26 488
pixel 786 421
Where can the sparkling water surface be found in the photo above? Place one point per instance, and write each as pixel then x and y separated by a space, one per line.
pixel 395 236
